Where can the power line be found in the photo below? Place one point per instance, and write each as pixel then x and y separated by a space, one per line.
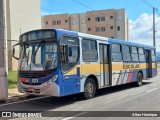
pixel 156 4
pixel 147 3
pixel 84 5
pixel 106 14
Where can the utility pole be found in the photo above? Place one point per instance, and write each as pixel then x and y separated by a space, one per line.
pixel 154 31
pixel 3 53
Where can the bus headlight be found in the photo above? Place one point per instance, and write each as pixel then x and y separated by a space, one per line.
pixel 54 78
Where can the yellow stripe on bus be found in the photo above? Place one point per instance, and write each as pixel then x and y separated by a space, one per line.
pixel 97 68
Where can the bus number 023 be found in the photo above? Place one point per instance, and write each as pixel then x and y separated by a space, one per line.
pixel 35 80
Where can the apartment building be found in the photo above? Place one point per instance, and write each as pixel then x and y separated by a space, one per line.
pixel 22 16
pixel 112 23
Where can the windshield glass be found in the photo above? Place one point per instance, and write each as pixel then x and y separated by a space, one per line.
pixel 38 56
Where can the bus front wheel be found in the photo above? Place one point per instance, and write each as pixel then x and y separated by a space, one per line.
pixel 89 88
pixel 139 79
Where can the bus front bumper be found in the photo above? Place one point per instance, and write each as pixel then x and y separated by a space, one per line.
pixel 43 89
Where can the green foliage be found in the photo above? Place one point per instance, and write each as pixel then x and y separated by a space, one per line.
pixel 12 79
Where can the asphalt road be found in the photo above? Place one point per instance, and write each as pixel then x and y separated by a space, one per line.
pixel 119 98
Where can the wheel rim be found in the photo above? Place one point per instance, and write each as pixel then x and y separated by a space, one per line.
pixel 89 89
pixel 140 79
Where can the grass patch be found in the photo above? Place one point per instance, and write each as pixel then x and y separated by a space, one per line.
pixel 12 79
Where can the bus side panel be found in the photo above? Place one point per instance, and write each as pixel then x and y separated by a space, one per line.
pixel 87 70
pixel 154 70
pixel 122 75
pixel 71 82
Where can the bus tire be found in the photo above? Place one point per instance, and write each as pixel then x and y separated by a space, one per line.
pixel 139 79
pixel 89 89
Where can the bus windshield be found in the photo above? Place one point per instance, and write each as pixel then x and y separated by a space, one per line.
pixel 38 56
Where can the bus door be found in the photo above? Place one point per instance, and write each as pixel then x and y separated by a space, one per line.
pixel 148 64
pixel 104 64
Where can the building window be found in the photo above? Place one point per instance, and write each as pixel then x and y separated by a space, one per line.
pixel 97 29
pixel 66 21
pixel 111 17
pixel 118 28
pixel 83 21
pixel 89 29
pixel 74 22
pixel 111 27
pixel 103 29
pixel 102 18
pixel 54 22
pixel 46 22
pixel 97 19
pixel 89 19
pixel 58 22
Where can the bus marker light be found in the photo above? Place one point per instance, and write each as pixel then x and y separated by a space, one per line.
pixel 24 80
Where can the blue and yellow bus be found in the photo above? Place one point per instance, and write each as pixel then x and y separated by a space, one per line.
pixel 58 62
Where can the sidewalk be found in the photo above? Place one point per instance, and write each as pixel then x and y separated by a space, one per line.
pixel 14 96
pixel 14 92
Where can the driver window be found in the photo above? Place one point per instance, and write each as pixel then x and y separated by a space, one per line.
pixel 69 53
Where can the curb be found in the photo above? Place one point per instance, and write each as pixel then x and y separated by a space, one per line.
pixel 14 98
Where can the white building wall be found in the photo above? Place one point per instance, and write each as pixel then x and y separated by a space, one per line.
pixel 23 16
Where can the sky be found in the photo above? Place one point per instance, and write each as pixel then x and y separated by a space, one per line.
pixel 138 12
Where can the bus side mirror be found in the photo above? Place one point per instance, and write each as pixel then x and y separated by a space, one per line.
pixel 13 54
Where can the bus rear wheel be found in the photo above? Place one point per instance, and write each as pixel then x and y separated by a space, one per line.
pixel 139 79
pixel 89 88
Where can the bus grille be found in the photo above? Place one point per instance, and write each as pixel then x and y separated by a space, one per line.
pixel 32 83
pixel 32 75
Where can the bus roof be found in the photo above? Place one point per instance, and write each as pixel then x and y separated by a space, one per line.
pixel 110 40
pixel 130 43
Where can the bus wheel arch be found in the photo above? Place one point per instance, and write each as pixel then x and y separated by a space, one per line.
pixel 90 87
pixel 95 80
pixel 140 71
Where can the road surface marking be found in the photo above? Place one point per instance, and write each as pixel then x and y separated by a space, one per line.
pixel 74 116
pixel 109 101
pixel 136 93
pixel 123 96
pixel 24 101
pixel 152 89
pixel 53 119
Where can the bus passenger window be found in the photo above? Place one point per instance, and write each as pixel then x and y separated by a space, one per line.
pixel 141 54
pixel 126 53
pixel 89 50
pixel 116 53
pixel 134 54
